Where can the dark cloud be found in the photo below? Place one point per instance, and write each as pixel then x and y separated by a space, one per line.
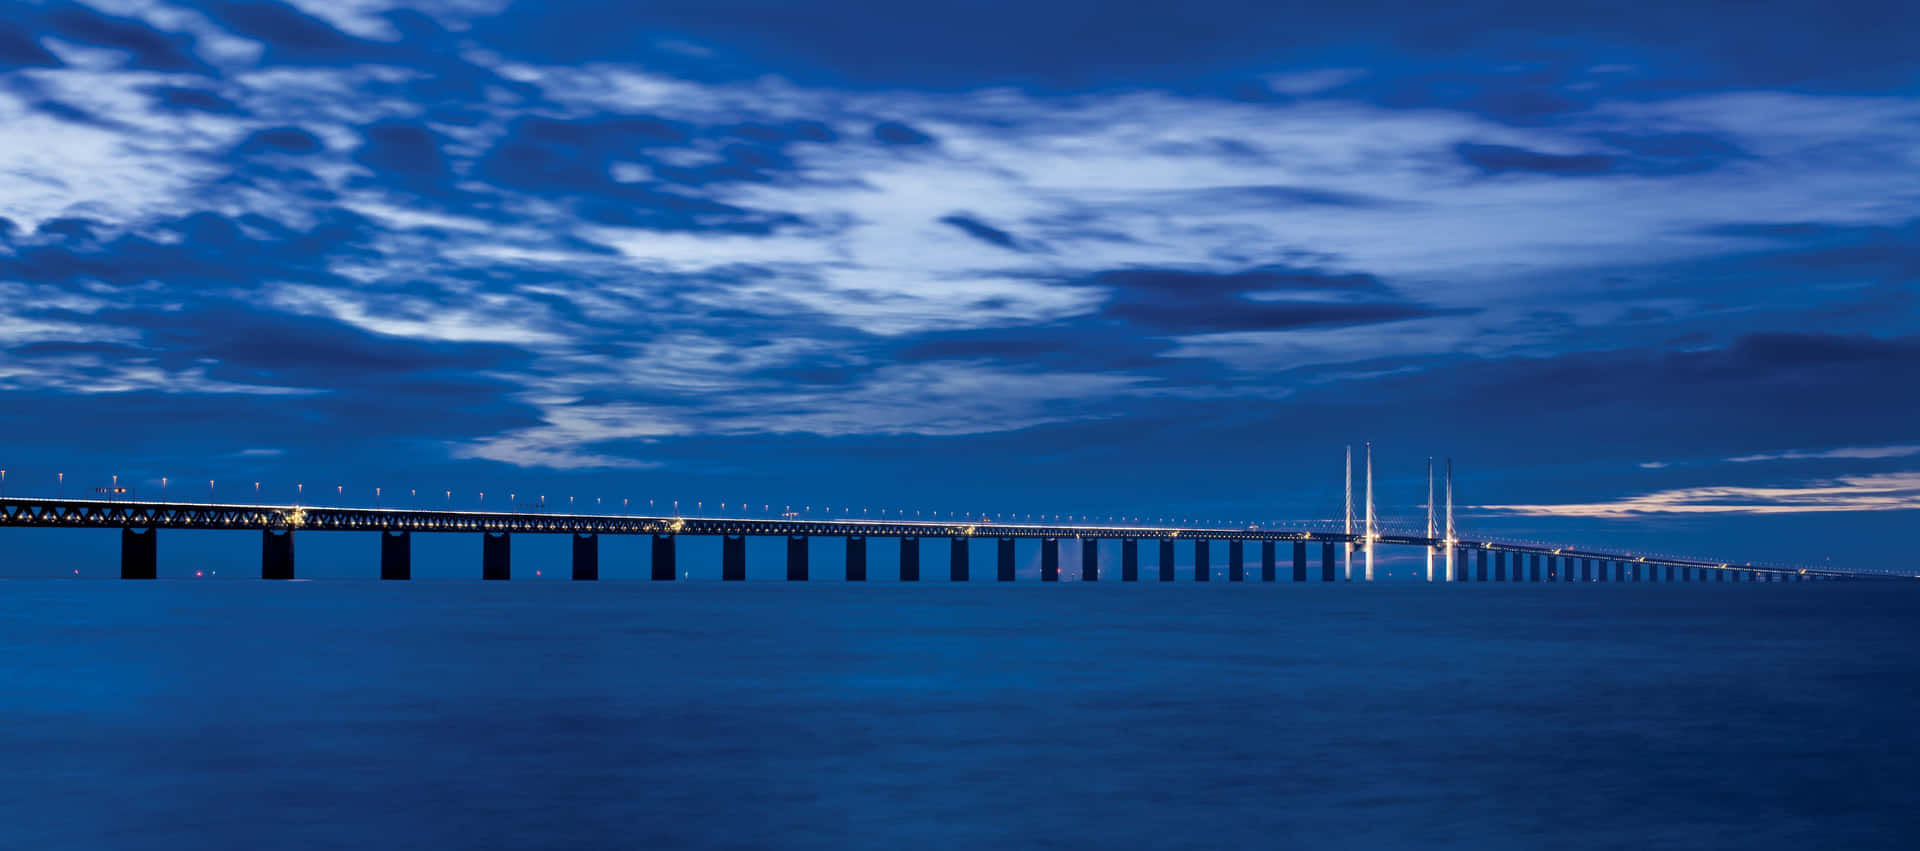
pixel 1174 301
pixel 201 249
pixel 19 49
pixel 266 347
pixel 284 140
pixel 179 99
pixel 896 133
pixel 576 160
pixel 147 47
pixel 1647 155
pixel 289 35
pixel 1504 159
pixel 406 152
pixel 982 231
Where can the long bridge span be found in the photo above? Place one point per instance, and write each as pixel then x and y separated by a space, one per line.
pixel 1312 554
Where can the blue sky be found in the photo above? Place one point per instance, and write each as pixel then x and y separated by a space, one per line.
pixel 1649 279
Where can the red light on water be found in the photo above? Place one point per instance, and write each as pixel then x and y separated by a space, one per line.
pixel 536 573
pixel 198 573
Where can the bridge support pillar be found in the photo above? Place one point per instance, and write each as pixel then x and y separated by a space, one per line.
pixel 1533 568
pixel 1202 562
pixel 1326 562
pixel 1089 559
pixel 1553 568
pixel 1166 559
pixel 958 568
pixel 139 554
pixel 1004 560
pixel 1049 559
pixel 1669 573
pixel 496 556
pixel 276 553
pixel 1586 570
pixel 733 558
pixel 797 558
pixel 396 555
pixel 1480 566
pixel 1236 561
pixel 1268 573
pixel 586 558
pixel 664 568
pixel 1129 559
pixel 856 558
pixel 909 559
pixel 1299 561
pixel 1499 565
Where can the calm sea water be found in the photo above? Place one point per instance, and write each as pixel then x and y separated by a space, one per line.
pixel 340 714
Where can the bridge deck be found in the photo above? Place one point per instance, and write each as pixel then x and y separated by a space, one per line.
pixel 77 513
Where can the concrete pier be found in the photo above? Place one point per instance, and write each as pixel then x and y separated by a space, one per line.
pixel 797 570
pixel 1129 559
pixel 1202 563
pixel 1553 568
pixel 1049 559
pixel 586 558
pixel 665 569
pixel 139 554
pixel 496 556
pixel 733 558
pixel 958 568
pixel 1267 567
pixel 1480 565
pixel 1236 561
pixel 856 558
pixel 276 554
pixel 1089 559
pixel 1299 561
pixel 1005 564
pixel 1499 565
pixel 1533 568
pixel 396 555
pixel 1166 559
pixel 909 559
pixel 1326 562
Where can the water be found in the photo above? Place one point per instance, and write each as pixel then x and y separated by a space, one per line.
pixel 627 715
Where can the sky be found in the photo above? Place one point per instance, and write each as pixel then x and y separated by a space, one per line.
pixel 1648 280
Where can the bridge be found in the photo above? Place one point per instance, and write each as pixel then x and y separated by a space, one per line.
pixel 1312 552
pixel 1464 559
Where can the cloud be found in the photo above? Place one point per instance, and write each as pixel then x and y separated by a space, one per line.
pixel 982 231
pixel 1851 452
pixel 1879 492
pixel 1503 159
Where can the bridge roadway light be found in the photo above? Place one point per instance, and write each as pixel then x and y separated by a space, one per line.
pixel 63 484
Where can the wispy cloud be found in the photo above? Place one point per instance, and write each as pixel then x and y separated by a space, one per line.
pixel 1854 452
pixel 1883 492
